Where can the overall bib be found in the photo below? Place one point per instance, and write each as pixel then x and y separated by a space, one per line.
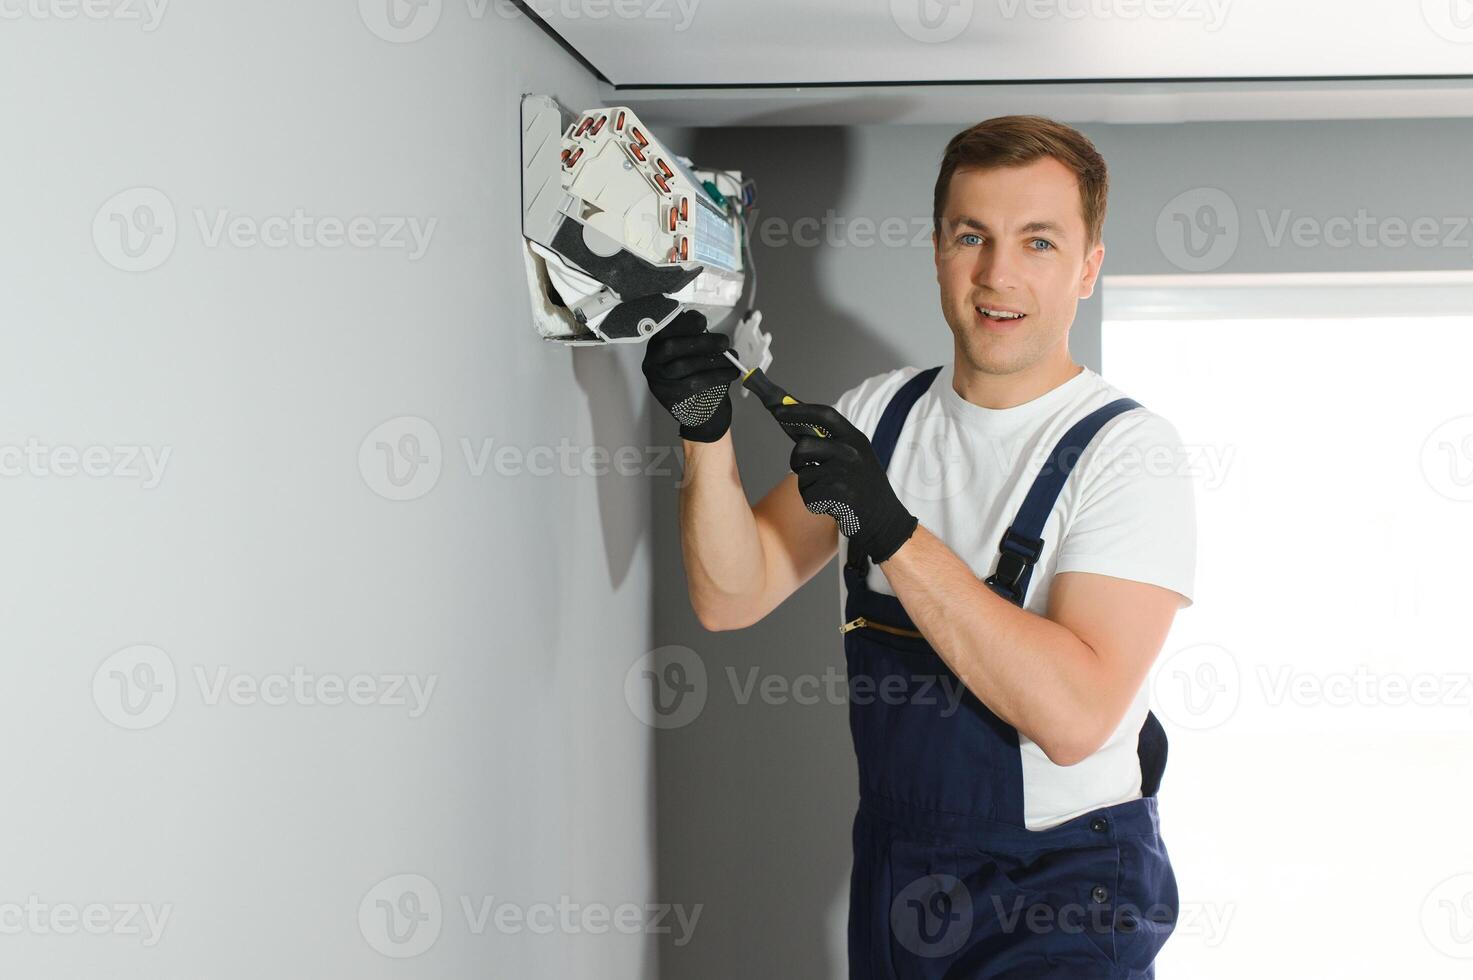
pixel 948 882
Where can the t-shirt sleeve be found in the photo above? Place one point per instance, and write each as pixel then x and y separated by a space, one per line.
pixel 1136 517
pixel 846 402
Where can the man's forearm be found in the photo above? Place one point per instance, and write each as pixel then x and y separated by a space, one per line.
pixel 1034 674
pixel 724 564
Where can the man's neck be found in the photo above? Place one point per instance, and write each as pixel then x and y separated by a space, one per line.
pixel 1009 390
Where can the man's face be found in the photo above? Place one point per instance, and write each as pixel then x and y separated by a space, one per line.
pixel 1013 239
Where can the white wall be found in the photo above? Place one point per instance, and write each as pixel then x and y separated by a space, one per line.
pixel 266 547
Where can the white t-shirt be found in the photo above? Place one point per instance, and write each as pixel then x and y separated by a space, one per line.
pixel 1127 510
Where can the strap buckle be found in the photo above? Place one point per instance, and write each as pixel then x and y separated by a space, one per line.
pixel 1017 553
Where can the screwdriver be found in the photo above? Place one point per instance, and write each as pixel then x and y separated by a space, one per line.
pixel 756 381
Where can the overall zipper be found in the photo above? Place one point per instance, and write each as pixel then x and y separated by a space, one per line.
pixel 855 624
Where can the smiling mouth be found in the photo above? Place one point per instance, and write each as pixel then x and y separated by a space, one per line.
pixel 998 316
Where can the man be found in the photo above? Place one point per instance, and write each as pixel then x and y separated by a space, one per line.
pixel 1009 525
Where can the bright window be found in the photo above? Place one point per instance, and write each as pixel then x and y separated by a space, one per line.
pixel 1319 694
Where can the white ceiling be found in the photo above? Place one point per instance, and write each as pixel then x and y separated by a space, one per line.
pixel 1116 102
pixel 817 62
pixel 641 43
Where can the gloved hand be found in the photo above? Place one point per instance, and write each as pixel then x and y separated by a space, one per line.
pixel 841 476
pixel 689 375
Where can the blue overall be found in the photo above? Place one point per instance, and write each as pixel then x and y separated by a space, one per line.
pixel 948 882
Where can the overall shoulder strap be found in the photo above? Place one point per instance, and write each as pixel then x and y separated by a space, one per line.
pixel 1022 542
pixel 887 434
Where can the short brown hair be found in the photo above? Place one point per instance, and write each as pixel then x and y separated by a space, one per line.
pixel 1013 141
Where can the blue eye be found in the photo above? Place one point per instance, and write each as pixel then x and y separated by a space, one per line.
pixel 970 235
pixel 1046 242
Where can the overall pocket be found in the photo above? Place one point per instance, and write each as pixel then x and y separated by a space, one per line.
pixel 1148 906
pixel 1108 907
pixel 957 912
pixel 1066 916
pixel 931 910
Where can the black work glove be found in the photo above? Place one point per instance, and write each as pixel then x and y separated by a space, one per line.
pixel 689 375
pixel 841 476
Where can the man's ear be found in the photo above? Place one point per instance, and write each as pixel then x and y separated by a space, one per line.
pixel 936 251
pixel 1091 274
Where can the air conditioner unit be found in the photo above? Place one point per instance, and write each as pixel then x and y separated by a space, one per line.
pixel 620 234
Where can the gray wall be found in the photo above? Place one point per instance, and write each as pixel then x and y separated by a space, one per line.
pixel 756 800
pixel 270 543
